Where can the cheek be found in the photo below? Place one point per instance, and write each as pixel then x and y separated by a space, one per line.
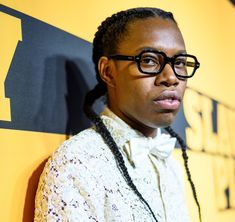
pixel 133 88
pixel 130 93
pixel 138 94
pixel 182 87
pixel 142 89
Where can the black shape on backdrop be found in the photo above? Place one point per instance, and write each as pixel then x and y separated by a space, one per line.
pixel 233 2
pixel 77 88
pixel 49 75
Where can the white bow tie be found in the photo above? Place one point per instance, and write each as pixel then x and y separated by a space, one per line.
pixel 161 146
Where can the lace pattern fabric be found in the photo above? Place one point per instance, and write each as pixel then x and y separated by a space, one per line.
pixel 81 180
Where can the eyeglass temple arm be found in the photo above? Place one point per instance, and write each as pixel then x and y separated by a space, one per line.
pixel 123 57
pixel 192 64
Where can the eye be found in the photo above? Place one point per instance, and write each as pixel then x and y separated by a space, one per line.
pixel 149 59
pixel 180 62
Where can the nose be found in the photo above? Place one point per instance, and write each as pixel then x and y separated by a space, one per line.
pixel 167 77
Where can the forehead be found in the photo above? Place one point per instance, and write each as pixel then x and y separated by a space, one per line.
pixel 157 33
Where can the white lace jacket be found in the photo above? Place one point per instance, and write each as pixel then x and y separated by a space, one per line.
pixel 81 181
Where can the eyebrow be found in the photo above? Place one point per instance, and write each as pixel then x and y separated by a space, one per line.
pixel 151 48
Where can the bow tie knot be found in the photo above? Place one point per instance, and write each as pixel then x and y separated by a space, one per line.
pixel 161 146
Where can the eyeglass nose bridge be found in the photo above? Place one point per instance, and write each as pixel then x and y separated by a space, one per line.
pixel 168 60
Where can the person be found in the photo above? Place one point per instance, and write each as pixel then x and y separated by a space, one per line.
pixel 121 169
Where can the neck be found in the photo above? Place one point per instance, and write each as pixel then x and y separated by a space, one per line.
pixel 145 130
pixel 135 124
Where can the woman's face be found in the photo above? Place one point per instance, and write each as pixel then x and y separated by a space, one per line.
pixel 147 102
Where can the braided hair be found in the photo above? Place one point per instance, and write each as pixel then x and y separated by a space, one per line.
pixel 185 157
pixel 106 41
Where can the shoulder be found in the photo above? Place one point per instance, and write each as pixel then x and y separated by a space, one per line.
pixel 71 177
pixel 79 155
pixel 85 145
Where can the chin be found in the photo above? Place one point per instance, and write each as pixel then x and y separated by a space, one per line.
pixel 159 124
pixel 165 120
pixel 163 125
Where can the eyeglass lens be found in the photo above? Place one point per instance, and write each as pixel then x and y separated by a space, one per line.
pixel 152 62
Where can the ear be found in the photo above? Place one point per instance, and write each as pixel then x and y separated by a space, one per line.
pixel 106 71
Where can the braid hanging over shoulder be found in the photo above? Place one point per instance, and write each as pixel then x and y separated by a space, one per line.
pixel 185 157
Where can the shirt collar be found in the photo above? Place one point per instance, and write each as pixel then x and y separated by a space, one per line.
pixel 119 129
pixel 133 142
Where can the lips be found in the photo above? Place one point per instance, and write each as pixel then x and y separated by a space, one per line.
pixel 169 100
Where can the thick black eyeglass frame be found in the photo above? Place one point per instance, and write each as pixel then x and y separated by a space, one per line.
pixel 167 59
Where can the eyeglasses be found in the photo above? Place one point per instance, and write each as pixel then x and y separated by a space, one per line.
pixel 153 62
